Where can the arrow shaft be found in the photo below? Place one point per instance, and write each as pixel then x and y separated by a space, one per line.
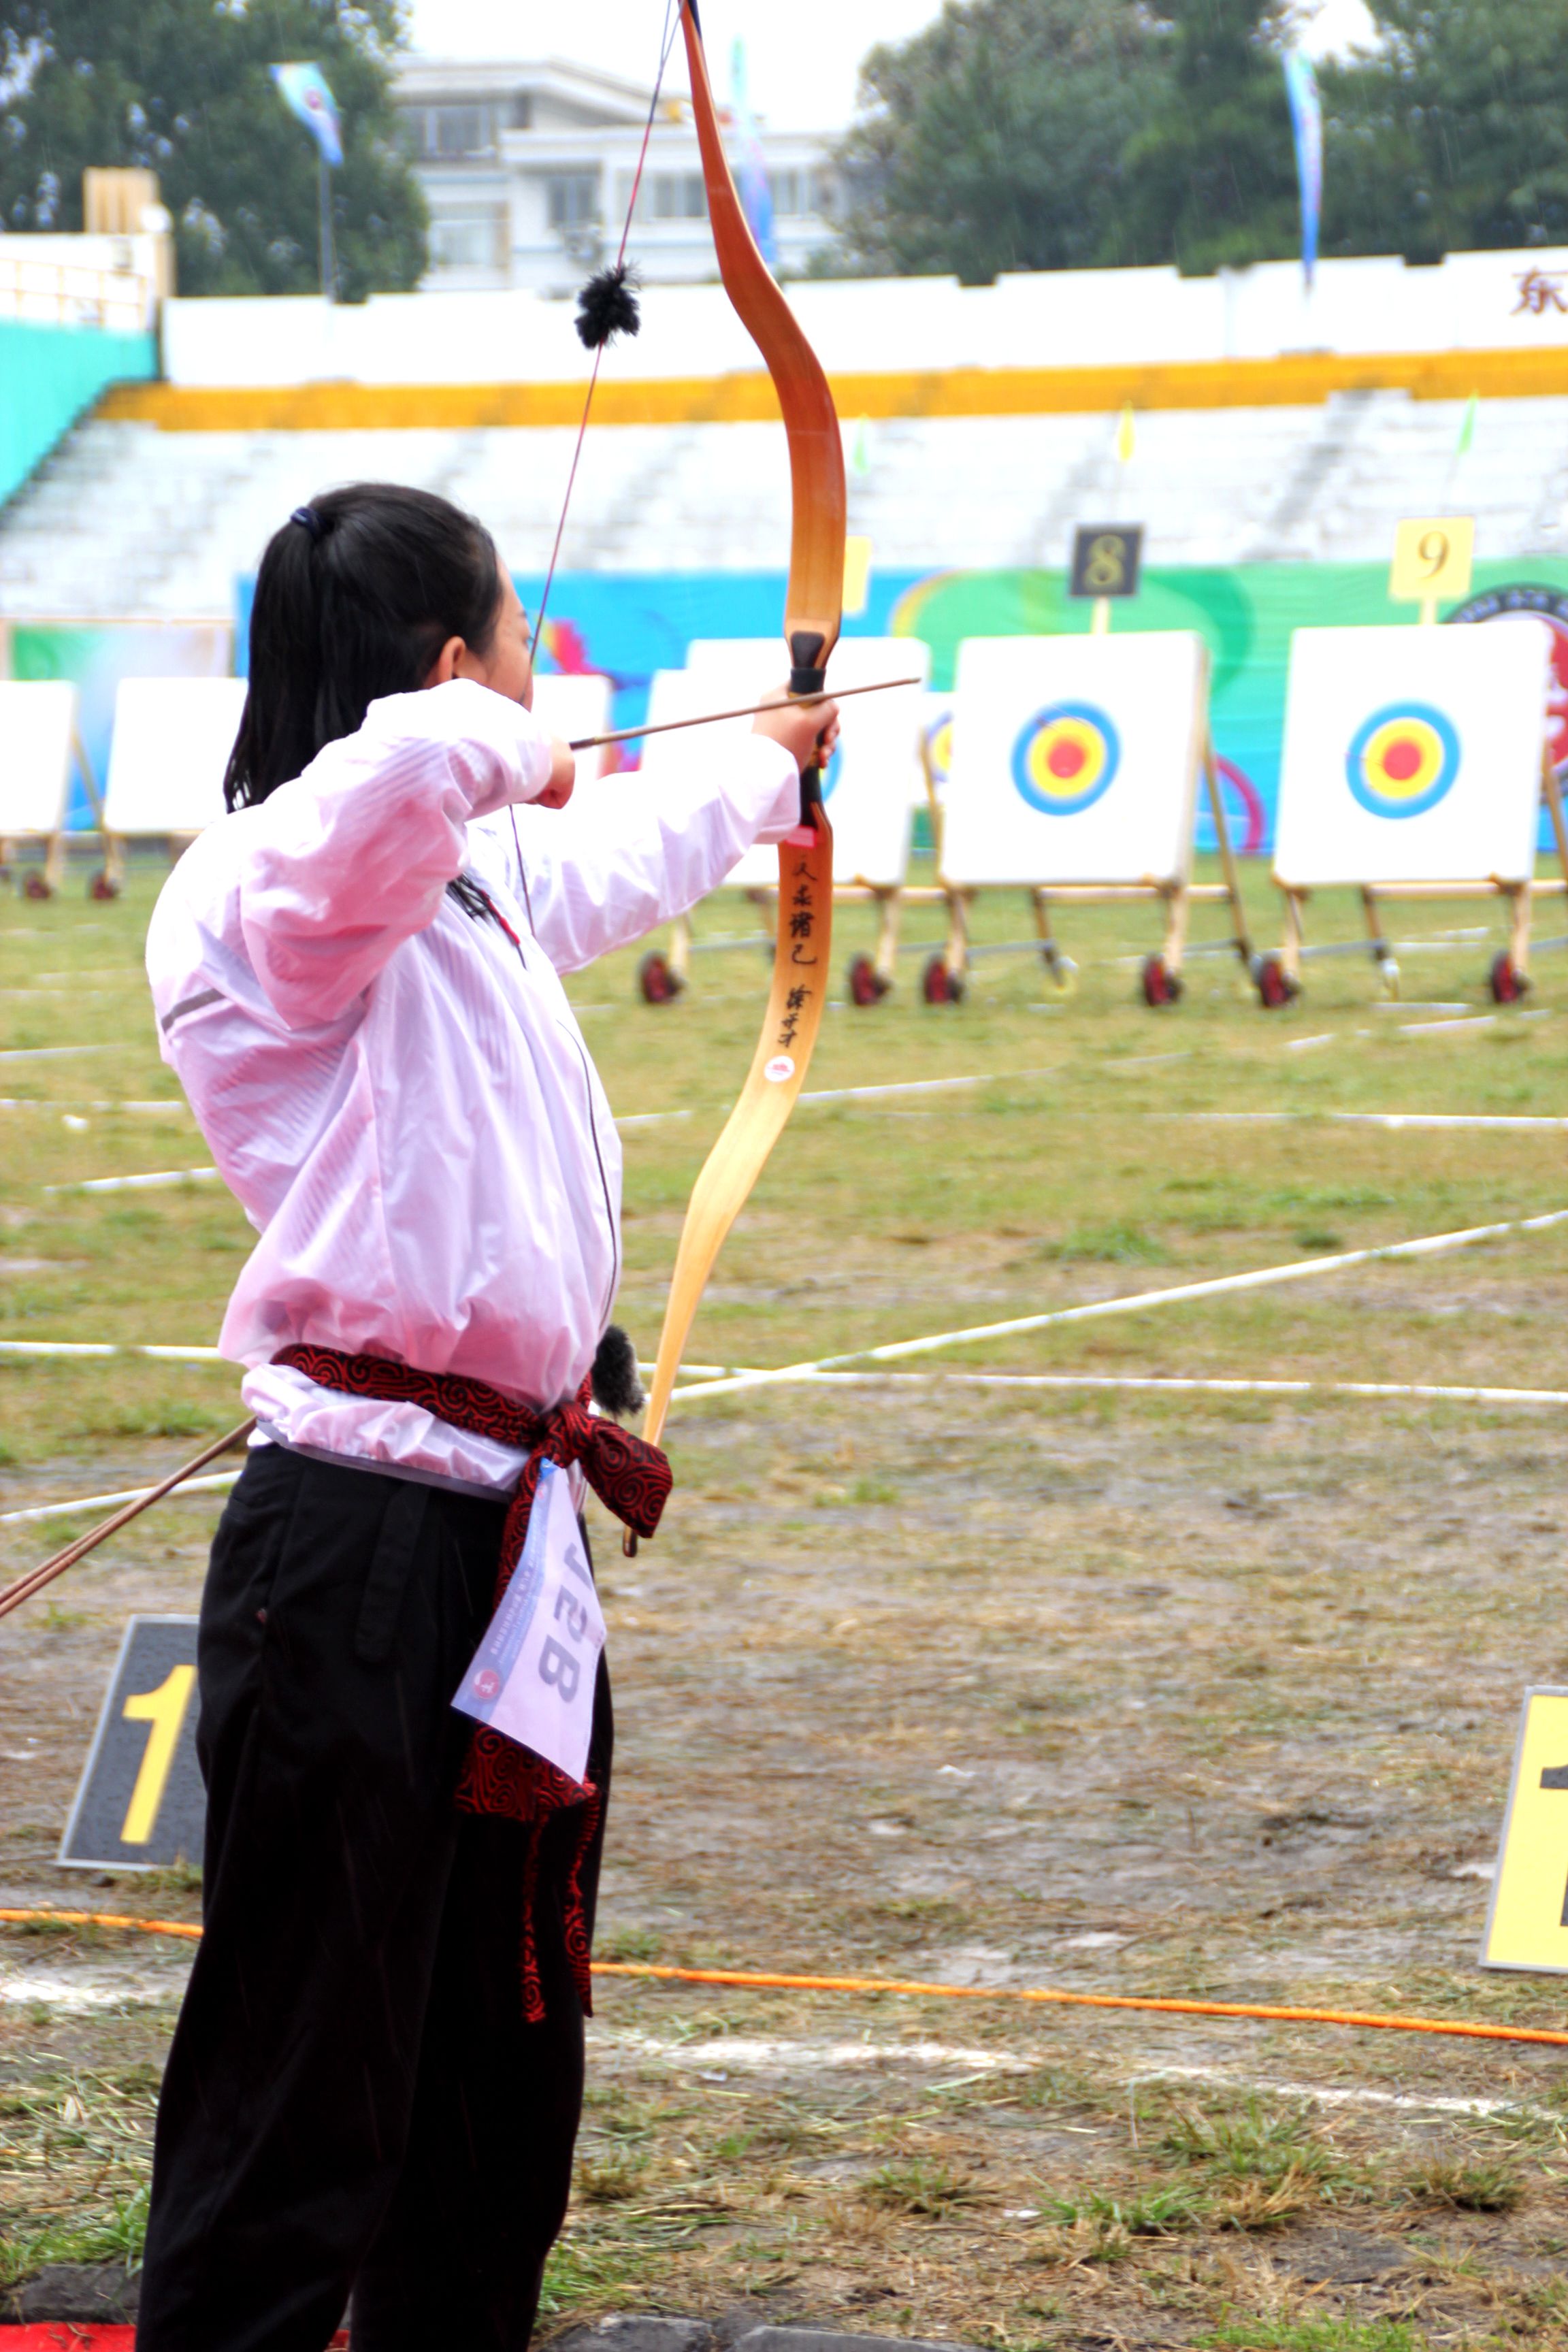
pixel 747 710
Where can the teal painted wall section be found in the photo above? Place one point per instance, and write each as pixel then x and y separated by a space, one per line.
pixel 48 376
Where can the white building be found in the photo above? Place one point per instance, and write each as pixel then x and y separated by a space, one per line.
pixel 528 170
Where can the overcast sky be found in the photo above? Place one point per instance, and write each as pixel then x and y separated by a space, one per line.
pixel 802 58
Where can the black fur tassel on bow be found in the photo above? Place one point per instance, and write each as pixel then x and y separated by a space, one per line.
pixel 607 306
pixel 616 1387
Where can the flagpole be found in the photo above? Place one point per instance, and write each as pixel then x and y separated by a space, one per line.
pixel 328 257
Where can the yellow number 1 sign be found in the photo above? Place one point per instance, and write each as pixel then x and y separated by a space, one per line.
pixel 1432 559
pixel 140 1805
pixel 1528 1925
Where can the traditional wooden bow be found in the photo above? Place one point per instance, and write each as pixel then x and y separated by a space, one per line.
pixel 812 611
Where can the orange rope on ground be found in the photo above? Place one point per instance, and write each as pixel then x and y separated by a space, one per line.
pixel 763 1981
pixel 102 1919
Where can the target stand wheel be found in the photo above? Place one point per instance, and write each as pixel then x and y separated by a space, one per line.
pixel 37 887
pixel 1275 988
pixel 1161 985
pixel 940 986
pixel 866 985
pixel 659 982
pixel 1505 980
pixel 104 886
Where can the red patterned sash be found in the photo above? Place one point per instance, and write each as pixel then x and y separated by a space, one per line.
pixel 631 1477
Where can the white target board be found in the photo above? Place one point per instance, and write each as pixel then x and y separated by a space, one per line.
pixel 37 731
pixel 570 707
pixel 172 740
pixel 1075 759
pixel 867 789
pixel 1412 755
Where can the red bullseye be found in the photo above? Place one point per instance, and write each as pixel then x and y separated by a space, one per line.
pixel 1401 761
pixel 1065 758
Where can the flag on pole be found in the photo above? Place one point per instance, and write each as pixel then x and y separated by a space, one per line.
pixel 1468 426
pixel 1307 125
pixel 1126 436
pixel 756 195
pixel 303 89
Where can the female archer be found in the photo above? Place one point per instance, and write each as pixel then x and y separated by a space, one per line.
pixel 376 2077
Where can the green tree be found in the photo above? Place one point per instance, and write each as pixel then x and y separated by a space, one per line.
pixel 993 140
pixel 1453 135
pixel 183 88
pixel 1212 175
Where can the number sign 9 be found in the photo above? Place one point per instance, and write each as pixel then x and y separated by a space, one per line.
pixel 1432 558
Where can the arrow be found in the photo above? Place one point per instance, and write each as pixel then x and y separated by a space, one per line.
pixel 749 711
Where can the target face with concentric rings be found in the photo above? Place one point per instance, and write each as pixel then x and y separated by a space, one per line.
pixel 1403 760
pixel 1065 758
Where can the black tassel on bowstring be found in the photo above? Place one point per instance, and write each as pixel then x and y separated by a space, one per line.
pixel 607 306
pixel 616 1387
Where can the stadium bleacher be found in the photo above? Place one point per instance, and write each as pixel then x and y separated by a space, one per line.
pixel 128 519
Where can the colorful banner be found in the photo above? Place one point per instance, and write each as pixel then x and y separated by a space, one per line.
pixel 303 89
pixel 751 170
pixel 1307 128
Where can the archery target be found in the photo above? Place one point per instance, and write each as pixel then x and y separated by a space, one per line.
pixel 866 787
pixel 571 704
pixel 37 722
pixel 172 740
pixel 1064 757
pixel 1075 759
pixel 1413 755
pixel 937 723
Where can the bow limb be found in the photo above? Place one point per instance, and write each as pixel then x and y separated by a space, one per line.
pixel 811 613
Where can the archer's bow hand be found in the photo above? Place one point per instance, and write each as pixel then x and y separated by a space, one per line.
pixel 808 730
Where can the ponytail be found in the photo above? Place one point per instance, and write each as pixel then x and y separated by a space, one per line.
pixel 355 598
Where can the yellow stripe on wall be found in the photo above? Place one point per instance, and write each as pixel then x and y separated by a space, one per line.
pixel 1302 380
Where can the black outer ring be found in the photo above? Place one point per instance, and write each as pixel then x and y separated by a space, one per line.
pixel 1517 596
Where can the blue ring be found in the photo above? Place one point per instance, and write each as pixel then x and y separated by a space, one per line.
pixel 1391 713
pixel 1024 784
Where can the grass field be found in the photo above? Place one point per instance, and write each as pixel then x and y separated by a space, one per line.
pixel 1177 1693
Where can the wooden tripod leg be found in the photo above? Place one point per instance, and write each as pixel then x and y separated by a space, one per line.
pixel 1382 953
pixel 1227 857
pixel 885 960
pixel 955 953
pixel 1177 908
pixel 1295 936
pixel 680 949
pixel 55 859
pixel 1520 896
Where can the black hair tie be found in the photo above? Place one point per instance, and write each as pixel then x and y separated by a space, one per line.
pixel 309 519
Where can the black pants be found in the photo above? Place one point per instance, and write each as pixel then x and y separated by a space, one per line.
pixel 353 2098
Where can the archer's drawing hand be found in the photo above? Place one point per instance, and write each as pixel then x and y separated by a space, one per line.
pixel 808 730
pixel 563 776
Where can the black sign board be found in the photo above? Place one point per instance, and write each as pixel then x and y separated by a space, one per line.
pixel 140 1805
pixel 1106 559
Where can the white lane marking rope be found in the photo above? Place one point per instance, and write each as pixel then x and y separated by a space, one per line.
pixel 1392 1120
pixel 1179 1384
pixel 219 1482
pixel 152 1181
pixel 109 1348
pixel 1299 1270
pixel 54 1053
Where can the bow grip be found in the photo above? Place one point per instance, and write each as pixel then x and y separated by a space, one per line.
pixel 808 674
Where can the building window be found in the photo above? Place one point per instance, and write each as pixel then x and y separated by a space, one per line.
pixel 573 199
pixel 448 132
pixel 467 241
pixel 674 195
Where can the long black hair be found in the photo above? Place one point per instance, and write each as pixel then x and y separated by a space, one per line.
pixel 355 598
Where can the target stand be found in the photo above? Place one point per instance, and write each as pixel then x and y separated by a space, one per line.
pixel 866 787
pixel 40 743
pixel 1415 768
pixel 1075 764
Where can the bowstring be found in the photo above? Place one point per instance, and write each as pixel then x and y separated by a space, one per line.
pixel 671 26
